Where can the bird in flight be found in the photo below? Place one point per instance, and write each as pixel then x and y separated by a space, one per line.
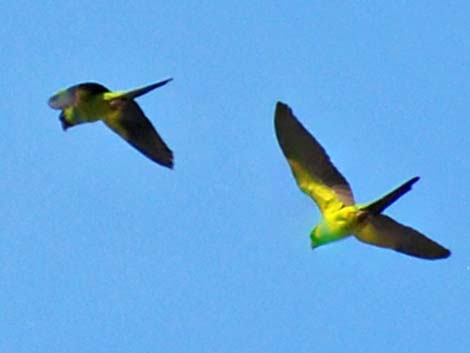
pixel 90 102
pixel 341 216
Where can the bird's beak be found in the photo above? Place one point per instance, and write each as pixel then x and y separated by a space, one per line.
pixel 53 102
pixel 65 123
pixel 61 100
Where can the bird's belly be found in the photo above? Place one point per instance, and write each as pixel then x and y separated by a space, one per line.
pixel 92 112
pixel 90 116
pixel 342 222
pixel 87 119
pixel 334 231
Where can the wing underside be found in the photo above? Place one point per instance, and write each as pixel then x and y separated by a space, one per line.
pixel 312 168
pixel 383 231
pixel 129 122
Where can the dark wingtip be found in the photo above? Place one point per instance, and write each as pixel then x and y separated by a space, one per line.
pixel 414 180
pixel 281 105
pixel 281 112
pixel 407 186
pixel 445 254
pixel 169 164
pixel 435 252
pixel 166 161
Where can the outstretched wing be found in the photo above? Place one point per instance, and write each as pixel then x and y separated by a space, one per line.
pixel 381 230
pixel 310 164
pixel 129 122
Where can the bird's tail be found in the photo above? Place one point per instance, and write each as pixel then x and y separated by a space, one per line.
pixel 140 91
pixel 381 204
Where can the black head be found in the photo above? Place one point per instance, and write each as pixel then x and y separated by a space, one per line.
pixel 92 87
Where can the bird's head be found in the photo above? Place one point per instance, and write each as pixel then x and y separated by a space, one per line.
pixel 320 235
pixel 62 99
pixel 314 237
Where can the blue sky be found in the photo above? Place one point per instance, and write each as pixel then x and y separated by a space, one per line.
pixel 103 251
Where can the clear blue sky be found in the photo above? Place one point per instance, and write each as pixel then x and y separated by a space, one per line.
pixel 103 251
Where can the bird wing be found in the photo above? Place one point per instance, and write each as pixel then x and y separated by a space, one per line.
pixel 315 173
pixel 381 230
pixel 129 122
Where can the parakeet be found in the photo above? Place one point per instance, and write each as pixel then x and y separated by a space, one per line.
pixel 90 102
pixel 341 216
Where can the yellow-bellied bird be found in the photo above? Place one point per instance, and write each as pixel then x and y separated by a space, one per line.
pixel 319 179
pixel 89 102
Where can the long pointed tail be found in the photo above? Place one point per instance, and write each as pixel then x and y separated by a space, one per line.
pixel 140 91
pixel 381 204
